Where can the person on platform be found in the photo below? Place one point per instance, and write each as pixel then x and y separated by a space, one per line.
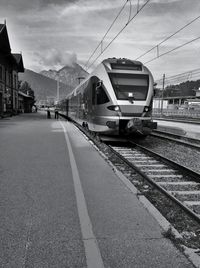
pixel 56 113
pixel 48 113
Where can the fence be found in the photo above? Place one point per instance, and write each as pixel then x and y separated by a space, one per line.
pixel 186 114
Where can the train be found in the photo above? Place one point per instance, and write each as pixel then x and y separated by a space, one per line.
pixel 115 99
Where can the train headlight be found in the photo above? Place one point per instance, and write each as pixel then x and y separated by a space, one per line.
pixel 146 109
pixel 114 108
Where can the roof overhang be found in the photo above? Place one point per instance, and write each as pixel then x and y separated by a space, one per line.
pixel 25 95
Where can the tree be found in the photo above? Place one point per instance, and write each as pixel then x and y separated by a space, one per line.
pixel 26 88
pixel 187 88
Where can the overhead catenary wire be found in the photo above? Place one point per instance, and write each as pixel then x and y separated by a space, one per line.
pixel 181 77
pixel 129 20
pixel 100 43
pixel 167 38
pixel 169 51
pixel 182 74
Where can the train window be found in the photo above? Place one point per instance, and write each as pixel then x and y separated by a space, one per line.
pixel 99 95
pixel 126 66
pixel 130 86
pixel 1 72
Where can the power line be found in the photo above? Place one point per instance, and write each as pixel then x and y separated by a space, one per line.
pixel 106 32
pixel 195 71
pixel 181 77
pixel 129 20
pixel 167 38
pixel 169 51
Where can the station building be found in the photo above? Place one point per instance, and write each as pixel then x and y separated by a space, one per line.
pixel 182 106
pixel 25 102
pixel 10 65
pixel 178 102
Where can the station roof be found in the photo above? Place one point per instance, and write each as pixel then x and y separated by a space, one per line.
pixel 5 50
pixel 25 95
pixel 4 40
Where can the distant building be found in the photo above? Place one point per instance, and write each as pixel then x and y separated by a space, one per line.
pixel 10 65
pixel 25 102
pixel 41 103
pixel 178 102
pixel 51 100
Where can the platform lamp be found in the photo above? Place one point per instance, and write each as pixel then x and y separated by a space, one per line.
pixel 80 78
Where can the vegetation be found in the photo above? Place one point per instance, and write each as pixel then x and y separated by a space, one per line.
pixel 187 88
pixel 26 88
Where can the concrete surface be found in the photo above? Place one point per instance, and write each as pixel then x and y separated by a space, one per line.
pixel 39 224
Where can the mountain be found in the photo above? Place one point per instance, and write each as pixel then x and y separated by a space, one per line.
pixel 68 75
pixel 44 83
pixel 44 87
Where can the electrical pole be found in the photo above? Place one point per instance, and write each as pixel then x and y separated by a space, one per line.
pixel 163 87
pixel 58 88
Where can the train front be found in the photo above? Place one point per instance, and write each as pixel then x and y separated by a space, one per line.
pixel 132 84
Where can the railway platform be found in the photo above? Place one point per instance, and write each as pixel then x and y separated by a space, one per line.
pixel 187 129
pixel 63 206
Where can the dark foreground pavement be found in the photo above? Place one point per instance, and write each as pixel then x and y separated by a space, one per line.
pixel 39 219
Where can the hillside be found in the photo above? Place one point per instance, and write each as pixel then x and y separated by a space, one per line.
pixel 43 86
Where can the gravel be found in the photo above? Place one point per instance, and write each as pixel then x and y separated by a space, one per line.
pixel 184 155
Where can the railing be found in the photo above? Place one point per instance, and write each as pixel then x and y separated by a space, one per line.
pixel 189 114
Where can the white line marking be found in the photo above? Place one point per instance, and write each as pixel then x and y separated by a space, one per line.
pixel 178 183
pixel 166 176
pixel 186 192
pixel 192 203
pixel 92 252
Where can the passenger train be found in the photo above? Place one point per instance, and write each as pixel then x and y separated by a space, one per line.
pixel 115 99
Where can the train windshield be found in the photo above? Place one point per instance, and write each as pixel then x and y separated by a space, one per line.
pixel 130 86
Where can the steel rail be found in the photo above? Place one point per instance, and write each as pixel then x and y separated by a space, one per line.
pixel 176 138
pixel 185 170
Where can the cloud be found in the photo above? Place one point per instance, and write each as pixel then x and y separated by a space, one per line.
pixel 50 32
pixel 90 6
pixel 55 58
pixel 24 5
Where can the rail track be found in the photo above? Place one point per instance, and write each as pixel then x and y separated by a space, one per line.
pixel 190 142
pixel 179 183
pixel 181 186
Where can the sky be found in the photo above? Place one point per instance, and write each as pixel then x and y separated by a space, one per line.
pixel 54 33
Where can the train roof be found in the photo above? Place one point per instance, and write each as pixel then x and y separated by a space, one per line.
pixel 122 64
pixel 121 60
